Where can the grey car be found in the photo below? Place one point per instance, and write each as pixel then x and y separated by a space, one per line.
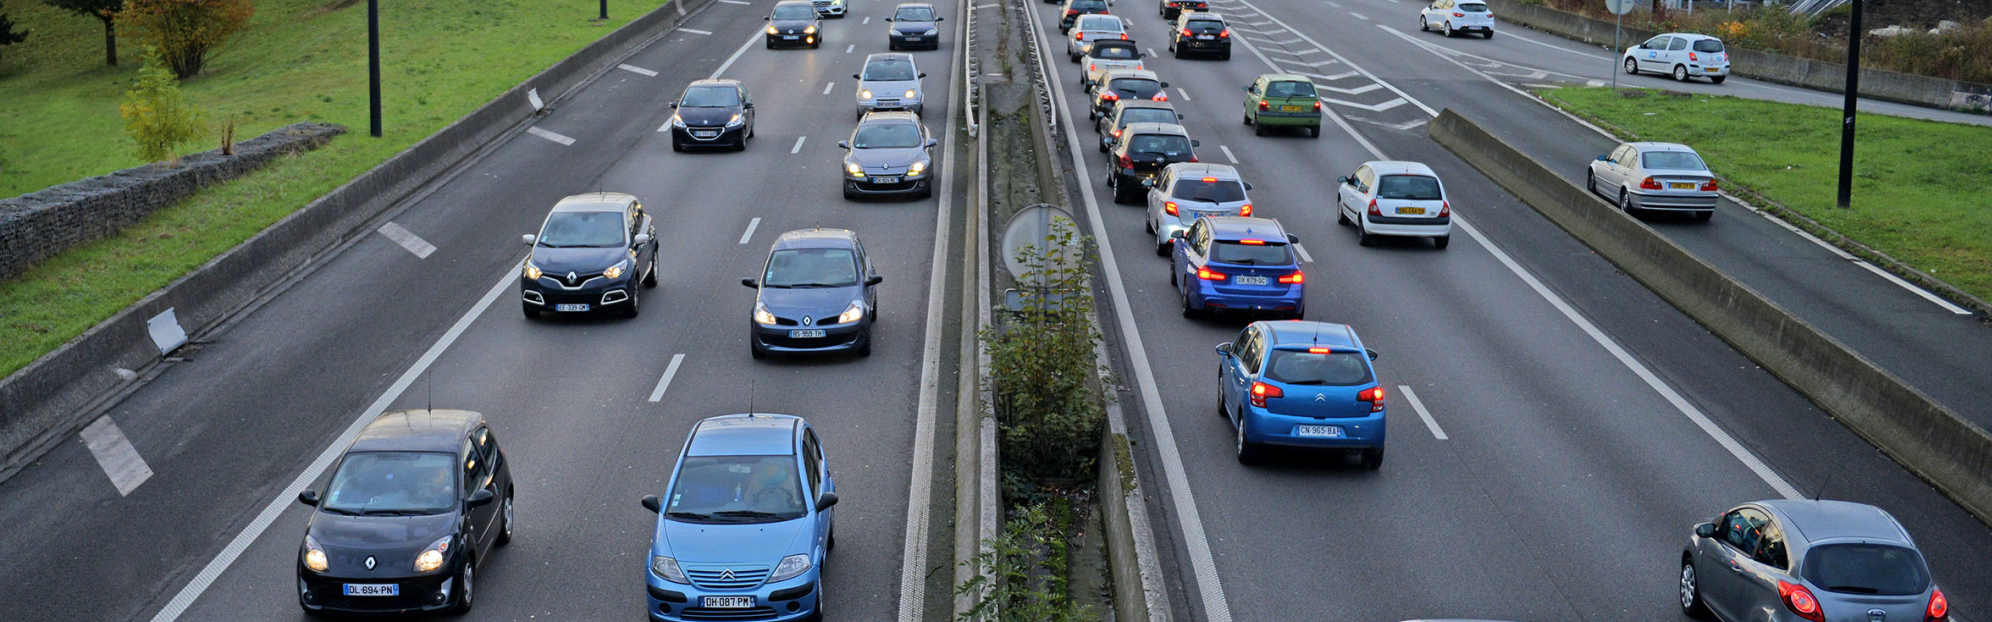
pixel 891 154
pixel 914 25
pixel 889 81
pixel 1654 176
pixel 1799 560
pixel 1186 191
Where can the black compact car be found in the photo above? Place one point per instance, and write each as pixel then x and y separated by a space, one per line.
pixel 1131 111
pixel 794 23
pixel 1075 8
pixel 713 113
pixel 1200 33
pixel 818 293
pixel 589 256
pixel 1142 152
pixel 891 154
pixel 913 25
pixel 1172 8
pixel 412 511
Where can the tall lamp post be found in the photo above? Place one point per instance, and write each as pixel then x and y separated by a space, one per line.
pixel 1847 112
pixel 373 67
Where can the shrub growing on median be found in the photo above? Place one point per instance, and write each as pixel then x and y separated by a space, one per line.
pixel 1042 370
pixel 1022 577
pixel 157 114
pixel 186 32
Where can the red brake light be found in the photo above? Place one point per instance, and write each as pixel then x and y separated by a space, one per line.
pixel 1117 133
pixel 1070 12
pixel 1708 186
pixel 1939 609
pixel 1170 207
pixel 1207 275
pixel 1459 15
pixel 1092 66
pixel 1253 242
pixel 1294 279
pixel 1263 106
pixel 1126 161
pixel 1224 34
pixel 1079 35
pixel 1691 56
pixel 1373 395
pixel 1317 106
pixel 1123 36
pixel 1320 350
pixel 1160 96
pixel 1373 209
pixel 1210 180
pixel 1245 211
pixel 1261 391
pixel 1800 601
pixel 1193 157
pixel 1187 33
pixel 1445 209
pixel 1649 184
pixel 1112 96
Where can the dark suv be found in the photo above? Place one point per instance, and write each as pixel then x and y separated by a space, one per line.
pixel 589 255
pixel 1142 151
pixel 1201 33
pixel 712 113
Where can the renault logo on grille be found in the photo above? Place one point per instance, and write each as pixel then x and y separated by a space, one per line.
pixel 1877 615
pixel 726 575
pixel 370 562
pixel 571 277
pixel 806 320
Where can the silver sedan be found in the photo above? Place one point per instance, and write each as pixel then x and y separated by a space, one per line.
pixel 1654 176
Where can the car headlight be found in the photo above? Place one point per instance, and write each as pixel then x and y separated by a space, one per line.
pixel 865 94
pixel 735 121
pixel 917 168
pixel 809 30
pixel 933 31
pixel 432 558
pixel 854 169
pixel 762 316
pixel 771 30
pixel 667 569
pixel 314 555
pixel 677 121
pixel 616 271
pixel 854 313
pixel 790 567
pixel 910 93
pixel 532 272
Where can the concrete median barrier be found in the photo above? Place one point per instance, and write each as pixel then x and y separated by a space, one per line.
pixel 1929 439
pixel 51 398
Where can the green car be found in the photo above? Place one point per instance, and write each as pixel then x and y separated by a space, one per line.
pixel 1282 100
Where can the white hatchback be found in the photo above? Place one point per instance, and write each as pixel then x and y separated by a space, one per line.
pixel 1186 191
pixel 1454 17
pixel 1681 55
pixel 1090 28
pixel 1396 199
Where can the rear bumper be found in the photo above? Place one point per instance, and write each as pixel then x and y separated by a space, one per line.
pixel 1681 202
pixel 1206 297
pixel 1268 428
pixel 1307 119
pixel 1407 227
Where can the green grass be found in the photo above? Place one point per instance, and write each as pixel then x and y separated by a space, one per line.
pixel 1921 191
pixel 300 60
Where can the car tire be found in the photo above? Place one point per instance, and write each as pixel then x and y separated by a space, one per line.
pixel 1342 216
pixel 677 146
pixel 1680 73
pixel 1442 242
pixel 650 278
pixel 505 516
pixel 1188 311
pixel 1258 129
pixel 1489 34
pixel 1424 26
pixel 1705 216
pixel 1314 132
pixel 891 47
pixel 1625 203
pixel 741 145
pixel 467 594
pixel 1122 195
pixel 532 312
pixel 1104 149
pixel 1373 458
pixel 1147 225
pixel 1449 31
pixel 1222 412
pixel 1248 453
pixel 1631 67
pixel 1225 55
pixel 1717 79
pixel 866 348
pixel 848 195
pixel 635 299
pixel 1363 237
pixel 1691 599
pixel 1162 248
pixel 1591 180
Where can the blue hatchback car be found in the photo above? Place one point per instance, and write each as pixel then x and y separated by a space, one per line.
pixel 1231 263
pixel 745 525
pixel 1301 384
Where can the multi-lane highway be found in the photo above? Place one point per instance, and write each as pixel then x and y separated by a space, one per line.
pixel 1568 426
pixel 592 412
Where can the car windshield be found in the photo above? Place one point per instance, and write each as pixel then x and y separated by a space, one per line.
pixel 711 97
pixel 1143 88
pixel 1204 25
pixel 393 483
pixel 812 267
pixel 886 136
pixel 1336 368
pixel 890 69
pixel 794 11
pixel 913 14
pixel 1090 5
pixel 737 489
pixel 1169 144
pixel 1867 569
pixel 1408 187
pixel 1473 8
pixel 582 229
pixel 1147 115
pixel 1210 190
pixel 1114 52
pixel 1672 160
pixel 1290 89
pixel 1266 254
pixel 1708 45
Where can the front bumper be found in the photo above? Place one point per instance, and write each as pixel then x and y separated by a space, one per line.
pixel 836 337
pixel 798 40
pixel 1206 296
pixel 779 601
pixel 433 592
pixel 909 40
pixel 702 136
pixel 599 294
pixel 1268 428
pixel 1407 227
pixel 1696 202
pixel 878 104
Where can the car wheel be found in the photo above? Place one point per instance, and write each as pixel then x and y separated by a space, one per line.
pixel 1591 181
pixel 1123 194
pixel 1680 73
pixel 1631 67
pixel 1691 598
pixel 1162 247
pixel 650 278
pixel 1489 34
pixel 1248 453
pixel 1373 458
pixel 634 300
pixel 532 312
pixel 1442 242
pixel 1222 413
pixel 1258 129
pixel 505 514
pixel 1449 30
pixel 1717 79
pixel 466 588
pixel 1424 26
pixel 848 195
pixel 1342 217
pixel 1625 203
pixel 677 146
pixel 866 348
pixel 1225 55
pixel 1363 236
pixel 1188 311
pixel 1705 216
pixel 1147 225
pixel 1314 132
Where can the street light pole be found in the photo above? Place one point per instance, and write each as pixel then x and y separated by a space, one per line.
pixel 373 67
pixel 1847 113
pixel 605 10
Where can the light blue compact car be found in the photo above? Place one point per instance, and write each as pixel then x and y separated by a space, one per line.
pixel 1301 384
pixel 745 525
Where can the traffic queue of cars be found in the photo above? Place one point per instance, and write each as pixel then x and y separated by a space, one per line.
pixel 420 498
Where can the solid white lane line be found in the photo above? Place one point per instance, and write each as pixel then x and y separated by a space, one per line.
pixel 636 70
pixel 1210 589
pixel 1185 94
pixel 749 234
pixel 228 555
pixel 752 38
pixel 670 371
pixel 1303 253
pixel 408 240
pixel 694 31
pixel 737 2
pixel 550 135
pixel 1555 47
pixel 848 48
pixel 986 6
pixel 116 455
pixel 1422 413
pixel 1361 16
pixel 1227 154
pixel 798 145
pixel 827 86
pixel 1946 304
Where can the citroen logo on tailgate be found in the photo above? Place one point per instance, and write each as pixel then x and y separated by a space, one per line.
pixel 1321 398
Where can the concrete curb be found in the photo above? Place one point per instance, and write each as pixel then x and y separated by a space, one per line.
pixel 51 397
pixel 1935 443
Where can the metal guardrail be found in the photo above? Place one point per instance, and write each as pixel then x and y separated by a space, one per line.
pixel 1041 73
pixel 970 69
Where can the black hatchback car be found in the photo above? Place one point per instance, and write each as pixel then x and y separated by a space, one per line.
pixel 1202 33
pixel 1075 8
pixel 914 25
pixel 1143 150
pixel 794 23
pixel 819 293
pixel 589 255
pixel 412 511
pixel 712 113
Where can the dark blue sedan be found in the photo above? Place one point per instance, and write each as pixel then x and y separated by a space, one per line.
pixel 1237 264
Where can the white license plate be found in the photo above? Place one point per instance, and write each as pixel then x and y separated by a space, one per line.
pixel 727 602
pixel 1250 280
pixel 705 134
pixel 1204 37
pixel 886 180
pixel 806 333
pixel 1415 211
pixel 373 589
pixel 913 39
pixel 1318 431
pixel 788 37
pixel 568 308
pixel 1682 186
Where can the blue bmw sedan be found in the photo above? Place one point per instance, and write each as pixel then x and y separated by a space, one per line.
pixel 1301 384
pixel 745 525
pixel 1230 263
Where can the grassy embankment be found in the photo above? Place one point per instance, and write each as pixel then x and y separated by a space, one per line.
pixel 300 60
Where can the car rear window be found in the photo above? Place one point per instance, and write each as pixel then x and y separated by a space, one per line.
pixel 1473 8
pixel 1267 254
pixel 1210 190
pixel 1708 45
pixel 1204 25
pixel 1316 368
pixel 1143 88
pixel 1114 52
pixel 1100 22
pixel 1878 569
pixel 1289 88
pixel 914 14
pixel 1147 115
pixel 1409 188
pixel 1673 160
pixel 1090 5
pixel 1169 144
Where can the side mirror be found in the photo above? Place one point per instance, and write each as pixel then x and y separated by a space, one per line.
pixel 674 105
pixel 931 142
pixel 1371 353
pixel 939 18
pixel 1165 85
pixel 1248 185
pixel 1706 530
pixel 1224 348
pixel 308 497
pixel 1293 239
pixel 874 280
pixel 529 239
pixel 481 497
pixel 888 19
pixel 856 77
pixel 1604 158
pixel 748 105
pixel 764 18
pixel 1246 88
pixel 1147 183
pixel 923 74
pixel 1179 117
pixel 642 239
pixel 751 283
pixel 824 501
pixel 1344 180
pixel 844 144
pixel 651 503
pixel 1176 235
pixel 1196 143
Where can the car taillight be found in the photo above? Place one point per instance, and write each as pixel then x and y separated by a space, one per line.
pixel 1939 609
pixel 1117 133
pixel 1246 210
pixel 1123 36
pixel 1445 209
pixel 1071 12
pixel 1373 395
pixel 1092 66
pixel 1170 207
pixel 1459 15
pixel 1373 209
pixel 1127 161
pixel 1263 106
pixel 1800 601
pixel 1261 391
pixel 1224 34
pixel 1208 275
pixel 1193 157
pixel 1079 36
pixel 1294 279
pixel 1110 96
pixel 1692 57
pixel 1708 186
pixel 1160 96
pixel 1317 106
pixel 1649 184
pixel 1187 33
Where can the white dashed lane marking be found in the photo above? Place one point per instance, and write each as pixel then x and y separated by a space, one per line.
pixel 1303 253
pixel 749 234
pixel 1422 413
pixel 669 371
pixel 696 32
pixel 637 70
pixel 1185 94
pixel 555 137
pixel 1227 154
pixel 827 87
pixel 848 48
pixel 116 455
pixel 408 240
pixel 798 144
